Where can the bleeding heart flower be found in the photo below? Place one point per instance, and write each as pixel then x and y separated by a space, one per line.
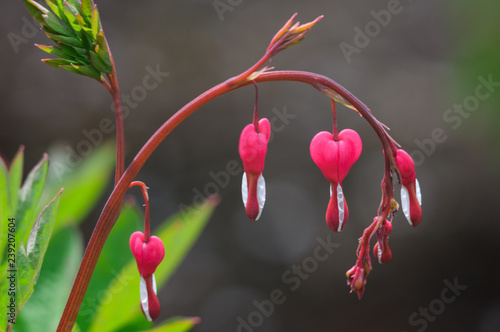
pixel 148 256
pixel 411 198
pixel 253 149
pixel 335 158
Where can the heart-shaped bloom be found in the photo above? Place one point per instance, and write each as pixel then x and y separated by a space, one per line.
pixel 411 198
pixel 148 256
pixel 334 159
pixel 253 149
pixel 381 249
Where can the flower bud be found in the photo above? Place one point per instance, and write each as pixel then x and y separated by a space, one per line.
pixel 334 159
pixel 381 249
pixel 253 149
pixel 411 198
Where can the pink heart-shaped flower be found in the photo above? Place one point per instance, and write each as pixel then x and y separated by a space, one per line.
pixel 335 158
pixel 148 255
pixel 253 146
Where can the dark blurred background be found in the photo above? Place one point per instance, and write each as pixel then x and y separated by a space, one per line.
pixel 423 70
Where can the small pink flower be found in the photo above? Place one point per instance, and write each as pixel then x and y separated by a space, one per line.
pixel 148 256
pixel 335 158
pixel 411 198
pixel 253 149
pixel 381 249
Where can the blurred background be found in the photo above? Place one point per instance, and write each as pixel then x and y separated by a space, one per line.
pixel 427 69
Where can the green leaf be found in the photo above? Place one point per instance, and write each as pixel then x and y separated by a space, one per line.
pixel 87 11
pixel 54 7
pixel 54 50
pixel 179 234
pixel 84 183
pixel 176 324
pixel 36 10
pixel 70 12
pixel 59 269
pixel 99 64
pixel 29 196
pixel 72 41
pixel 53 22
pixel 16 177
pixel 29 260
pixel 110 264
pixel 83 70
pixel 95 23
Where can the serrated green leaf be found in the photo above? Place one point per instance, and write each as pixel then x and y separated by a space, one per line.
pixel 84 184
pixel 100 65
pixel 87 11
pixel 36 10
pixel 29 196
pixel 95 23
pixel 29 260
pixel 176 324
pixel 110 264
pixel 53 22
pixel 57 274
pixel 179 234
pixel 75 3
pixel 57 63
pixel 72 41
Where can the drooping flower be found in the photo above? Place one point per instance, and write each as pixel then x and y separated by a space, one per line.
pixel 253 149
pixel 148 255
pixel 411 198
pixel 381 249
pixel 335 158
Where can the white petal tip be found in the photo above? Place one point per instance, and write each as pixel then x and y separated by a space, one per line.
pixel 340 206
pixel 405 203
pixel 144 297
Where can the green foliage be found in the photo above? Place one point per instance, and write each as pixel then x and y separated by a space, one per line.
pixel 76 30
pixel 112 300
pixel 25 233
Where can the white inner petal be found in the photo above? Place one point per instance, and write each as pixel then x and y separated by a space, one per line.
pixel 340 205
pixel 405 202
pixel 261 194
pixel 379 254
pixel 244 189
pixel 144 298
pixel 154 284
pixel 419 194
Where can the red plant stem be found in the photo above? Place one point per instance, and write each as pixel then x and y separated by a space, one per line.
pixel 256 109
pixel 334 115
pixel 144 189
pixel 120 131
pixel 109 214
